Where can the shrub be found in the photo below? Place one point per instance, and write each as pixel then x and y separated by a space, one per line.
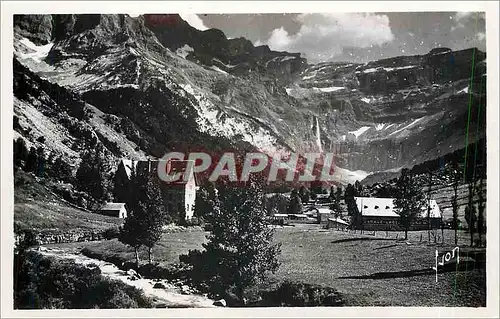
pixel 25 238
pixel 169 272
pixel 301 295
pixel 43 282
pixel 111 233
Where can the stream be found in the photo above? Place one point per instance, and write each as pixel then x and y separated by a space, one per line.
pixel 167 297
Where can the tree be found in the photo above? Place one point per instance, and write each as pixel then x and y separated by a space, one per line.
pixel 336 197
pixel 40 163
pixel 481 205
pixel 145 204
pixel 129 235
pixel 470 212
pixel 241 243
pixel 146 212
pixel 316 188
pixel 352 208
pixel 277 204
pixel 295 206
pixel 455 175
pixel 409 199
pixel 62 169
pixel 359 188
pixel 93 174
pixel 331 197
pixel 304 194
pixel 31 161
pixel 20 152
pixel 429 188
pixel 204 201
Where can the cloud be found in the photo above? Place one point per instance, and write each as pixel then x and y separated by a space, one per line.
pixel 194 21
pixel 480 36
pixel 462 18
pixel 462 15
pixel 324 36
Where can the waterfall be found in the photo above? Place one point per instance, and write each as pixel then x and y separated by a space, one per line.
pixel 318 136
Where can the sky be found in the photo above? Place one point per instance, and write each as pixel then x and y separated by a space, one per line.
pixel 356 37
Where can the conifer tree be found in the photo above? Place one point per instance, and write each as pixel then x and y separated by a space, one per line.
pixel 93 174
pixel 352 208
pixel 304 194
pixel 204 201
pixel 146 211
pixel 240 247
pixel 454 174
pixel 295 206
pixel 409 199
pixel 470 212
pixel 31 161
pixel 20 152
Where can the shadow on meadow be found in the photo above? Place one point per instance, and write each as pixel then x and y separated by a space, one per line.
pixel 347 240
pixel 463 266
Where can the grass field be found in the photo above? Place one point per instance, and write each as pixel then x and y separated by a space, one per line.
pixel 369 270
pixel 37 208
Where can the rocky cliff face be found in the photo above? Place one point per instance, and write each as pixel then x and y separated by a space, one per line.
pixel 212 48
pixel 153 84
pixel 397 112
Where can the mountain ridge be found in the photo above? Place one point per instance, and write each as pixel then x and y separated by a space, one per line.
pixel 157 79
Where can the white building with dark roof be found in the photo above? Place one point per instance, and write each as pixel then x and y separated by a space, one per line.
pixel 178 197
pixel 114 210
pixel 380 214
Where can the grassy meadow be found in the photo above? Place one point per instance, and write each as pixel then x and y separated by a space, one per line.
pixel 370 270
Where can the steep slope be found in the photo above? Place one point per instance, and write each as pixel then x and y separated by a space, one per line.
pixel 119 66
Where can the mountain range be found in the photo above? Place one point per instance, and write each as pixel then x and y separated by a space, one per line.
pixel 143 86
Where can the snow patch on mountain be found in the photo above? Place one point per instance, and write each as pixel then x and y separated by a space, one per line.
pixel 464 90
pixel 227 66
pixel 407 126
pixel 371 70
pixel 212 120
pixel 379 126
pixel 387 127
pixel 36 52
pixel 360 131
pixel 286 58
pixel 329 89
pixel 307 77
pixel 346 176
pixel 213 67
pixel 184 51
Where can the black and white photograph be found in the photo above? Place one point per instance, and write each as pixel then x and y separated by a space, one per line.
pixel 265 160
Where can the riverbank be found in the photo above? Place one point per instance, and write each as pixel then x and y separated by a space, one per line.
pixel 166 295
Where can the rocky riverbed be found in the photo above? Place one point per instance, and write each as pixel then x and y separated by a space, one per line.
pixel 165 295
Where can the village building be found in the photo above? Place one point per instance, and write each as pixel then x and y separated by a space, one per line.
pixel 336 223
pixel 279 219
pixel 178 197
pixel 113 209
pixel 380 214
